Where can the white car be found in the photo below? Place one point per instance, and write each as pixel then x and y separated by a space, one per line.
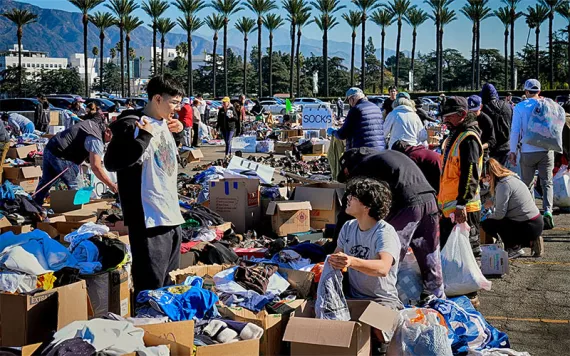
pixel 274 107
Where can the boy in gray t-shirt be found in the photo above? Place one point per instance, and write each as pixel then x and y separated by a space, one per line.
pixel 369 246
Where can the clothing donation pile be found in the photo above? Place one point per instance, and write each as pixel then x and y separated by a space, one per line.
pixel 18 206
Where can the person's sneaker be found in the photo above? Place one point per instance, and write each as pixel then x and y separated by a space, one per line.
pixel 515 252
pixel 537 247
pixel 548 221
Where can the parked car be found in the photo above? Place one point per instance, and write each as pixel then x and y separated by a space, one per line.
pixel 21 104
pixel 378 100
pixel 301 102
pixel 516 99
pixel 561 99
pixel 139 102
pixel 430 103
pixel 60 102
pixel 275 107
pixel 70 96
pixel 105 105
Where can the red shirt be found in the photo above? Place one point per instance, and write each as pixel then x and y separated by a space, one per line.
pixel 185 115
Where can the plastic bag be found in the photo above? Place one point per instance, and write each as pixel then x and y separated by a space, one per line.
pixel 461 273
pixel 331 303
pixel 409 283
pixel 545 125
pixel 561 186
pixel 421 332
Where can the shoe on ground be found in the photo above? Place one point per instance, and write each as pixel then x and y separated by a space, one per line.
pixel 537 247
pixel 548 221
pixel 515 252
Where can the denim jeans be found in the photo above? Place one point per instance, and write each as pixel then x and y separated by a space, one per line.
pixel 228 136
pixel 52 166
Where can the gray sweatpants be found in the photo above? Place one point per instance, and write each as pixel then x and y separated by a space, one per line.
pixel 544 163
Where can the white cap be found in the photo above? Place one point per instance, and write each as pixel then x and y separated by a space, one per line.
pixel 186 101
pixel 532 85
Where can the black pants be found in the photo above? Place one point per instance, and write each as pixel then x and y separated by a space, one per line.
pixel 473 220
pixel 501 157
pixel 156 253
pixel 514 233
pixel 195 135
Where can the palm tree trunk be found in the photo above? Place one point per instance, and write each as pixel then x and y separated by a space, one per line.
pixel 507 59
pixel 513 79
pixel 127 48
pixel 352 59
pixel 214 63
pixel 398 40
pixel 102 38
pixel 245 66
pixel 326 61
pixel 383 36
pixel 299 62
pixel 437 50
pixel 478 55
pixel 291 60
pixel 441 51
pixel 226 57
pixel 190 79
pixel 550 50
pixel 412 67
pixel 363 55
pixel 155 57
pixel 85 59
pixel 121 40
pixel 271 64
pixel 162 40
pixel 473 39
pixel 20 61
pixel 259 55
pixel 537 53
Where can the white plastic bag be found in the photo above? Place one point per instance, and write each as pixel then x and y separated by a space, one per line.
pixel 545 125
pixel 461 273
pixel 409 283
pixel 420 332
pixel 561 185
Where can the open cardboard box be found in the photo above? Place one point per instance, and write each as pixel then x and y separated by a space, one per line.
pixel 21 152
pixel 289 217
pixel 310 336
pixel 326 201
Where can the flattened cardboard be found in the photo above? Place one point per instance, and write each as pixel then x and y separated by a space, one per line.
pixel 325 199
pixel 301 281
pixel 54 118
pixel 240 348
pixel 181 332
pixel 21 152
pixel 288 217
pixel 32 319
pixel 237 201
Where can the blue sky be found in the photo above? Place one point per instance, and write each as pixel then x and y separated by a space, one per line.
pixel 457 34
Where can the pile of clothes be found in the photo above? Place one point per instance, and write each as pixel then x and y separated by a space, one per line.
pixel 112 215
pixel 221 331
pixel 187 189
pixel 18 206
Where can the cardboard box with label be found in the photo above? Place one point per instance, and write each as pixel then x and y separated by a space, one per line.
pixel 326 201
pixel 237 201
pixel 310 336
pixel 494 260
pixel 27 177
pixel 21 152
pixel 288 217
pixel 28 319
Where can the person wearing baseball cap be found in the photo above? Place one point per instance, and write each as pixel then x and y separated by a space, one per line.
pixel 403 124
pixel 228 121
pixel 462 168
pixel 486 128
pixel 532 158
pixel 363 124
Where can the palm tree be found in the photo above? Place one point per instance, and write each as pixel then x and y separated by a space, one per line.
pixel 535 17
pixel 469 10
pixel 382 18
pixel 245 26
pixel 131 24
pixel 551 5
pixel 415 18
pixel 476 11
pixel 155 9
pixel 293 8
pixel 353 19
pixel 85 6
pixel 164 26
pixel 447 17
pixel 272 22
pixel 226 8
pixel 260 8
pixel 326 21
pixel 122 9
pixel 438 7
pixel 102 20
pixel 215 22
pixel 20 18
pixel 484 12
pixel 512 6
pixel 189 22
pixel 504 15
pixel 564 11
pixel 400 9
pixel 364 6
pixel 303 19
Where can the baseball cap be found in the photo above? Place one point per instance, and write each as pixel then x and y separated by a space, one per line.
pixel 80 99
pixel 186 101
pixel 474 102
pixel 403 95
pixel 532 85
pixel 454 104
pixel 226 99
pixel 353 91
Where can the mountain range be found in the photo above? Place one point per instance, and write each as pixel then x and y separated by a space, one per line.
pixel 60 33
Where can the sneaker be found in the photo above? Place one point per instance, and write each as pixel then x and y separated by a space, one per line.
pixel 515 252
pixel 548 221
pixel 537 247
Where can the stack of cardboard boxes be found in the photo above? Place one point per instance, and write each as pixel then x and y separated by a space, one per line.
pixel 27 177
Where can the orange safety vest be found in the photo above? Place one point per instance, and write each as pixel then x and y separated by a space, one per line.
pixel 449 187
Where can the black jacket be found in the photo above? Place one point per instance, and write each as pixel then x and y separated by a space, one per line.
pixel 501 114
pixel 226 123
pixel 122 156
pixel 487 131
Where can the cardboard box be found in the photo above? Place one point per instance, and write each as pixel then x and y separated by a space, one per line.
pixel 22 173
pixel 54 118
pixel 288 217
pixel 494 260
pixel 82 215
pixel 326 200
pixel 310 158
pixel 245 144
pixel 237 201
pixel 281 147
pixel 319 149
pixel 29 185
pixel 286 134
pixel 28 319
pixel 58 228
pixel 21 152
pixel 62 201
pixel 4 222
pixel 192 155
pixel 310 336
pixel 207 273
pixel 55 129
pixel 18 229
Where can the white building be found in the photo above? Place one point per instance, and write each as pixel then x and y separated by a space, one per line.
pixel 77 61
pixel 143 69
pixel 32 61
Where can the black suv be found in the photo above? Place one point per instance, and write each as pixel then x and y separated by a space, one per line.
pixel 21 104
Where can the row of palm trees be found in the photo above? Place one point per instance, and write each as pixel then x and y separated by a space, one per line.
pixel 299 15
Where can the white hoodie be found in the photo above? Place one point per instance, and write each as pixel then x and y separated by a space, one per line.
pixel 404 124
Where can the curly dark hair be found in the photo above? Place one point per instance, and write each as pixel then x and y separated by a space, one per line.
pixel 372 193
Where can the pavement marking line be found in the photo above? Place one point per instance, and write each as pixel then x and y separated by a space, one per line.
pixel 531 320
pixel 544 263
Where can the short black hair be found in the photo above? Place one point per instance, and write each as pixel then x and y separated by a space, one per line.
pixel 160 86
pixel 372 193
pixel 392 87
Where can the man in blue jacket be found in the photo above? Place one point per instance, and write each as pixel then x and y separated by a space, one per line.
pixel 363 126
